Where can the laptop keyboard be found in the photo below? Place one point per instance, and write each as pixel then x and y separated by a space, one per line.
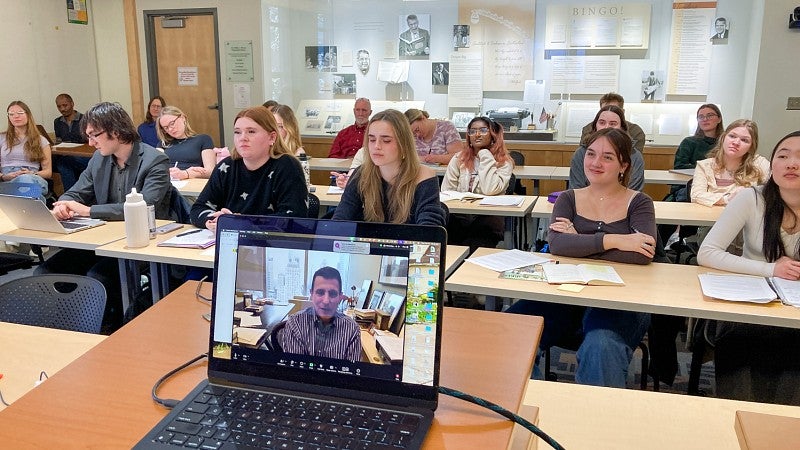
pixel 221 418
pixel 72 225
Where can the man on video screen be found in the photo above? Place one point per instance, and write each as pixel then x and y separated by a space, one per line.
pixel 321 330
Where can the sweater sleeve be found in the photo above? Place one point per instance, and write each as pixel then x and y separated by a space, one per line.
pixel 570 244
pixel 289 190
pixel 350 206
pixel 641 218
pixel 212 195
pixel 577 178
pixel 742 212
pixel 492 180
pixel 451 176
pixel 636 181
pixel 427 206
pixel 683 156
pixel 704 184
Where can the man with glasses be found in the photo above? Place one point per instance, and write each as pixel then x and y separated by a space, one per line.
pixel 121 162
pixel 350 139
pixel 321 330
pixel 67 129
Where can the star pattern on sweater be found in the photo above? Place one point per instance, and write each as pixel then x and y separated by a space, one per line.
pixel 223 167
pixel 244 195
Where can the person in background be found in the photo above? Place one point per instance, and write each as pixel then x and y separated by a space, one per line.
pixel 732 165
pixel 350 139
pixel 483 167
pixel 436 140
pixel 605 220
pixel 755 362
pixel 191 155
pixel 67 129
pixel 694 148
pixel 147 129
pixel 635 131
pixel 270 104
pixel 24 153
pixel 415 41
pixel 391 185
pixel 260 176
pixel 289 130
pixel 609 116
pixel 120 163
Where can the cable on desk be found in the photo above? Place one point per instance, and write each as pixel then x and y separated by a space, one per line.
pixel 170 403
pixel 503 412
pixel 200 297
pixel 2 400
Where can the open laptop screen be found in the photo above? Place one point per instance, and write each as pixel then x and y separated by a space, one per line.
pixel 354 304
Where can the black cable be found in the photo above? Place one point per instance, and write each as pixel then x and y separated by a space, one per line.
pixel 170 403
pixel 2 400
pixel 503 412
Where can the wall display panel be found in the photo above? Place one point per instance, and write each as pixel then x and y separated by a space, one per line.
pixel 585 74
pixel 690 48
pixel 327 117
pixel 599 25
pixel 502 32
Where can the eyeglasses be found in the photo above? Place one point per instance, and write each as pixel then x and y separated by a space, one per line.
pixel 171 124
pixel 708 116
pixel 94 136
pixel 15 113
pixel 330 292
pixel 474 131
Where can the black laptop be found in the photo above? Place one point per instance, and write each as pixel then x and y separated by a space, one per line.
pixel 317 377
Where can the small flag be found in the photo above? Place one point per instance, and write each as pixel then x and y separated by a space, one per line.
pixel 543 116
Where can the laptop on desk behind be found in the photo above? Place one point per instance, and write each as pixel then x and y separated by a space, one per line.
pixel 339 400
pixel 31 214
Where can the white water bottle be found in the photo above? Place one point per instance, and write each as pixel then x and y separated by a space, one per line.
pixel 137 229
pixel 306 169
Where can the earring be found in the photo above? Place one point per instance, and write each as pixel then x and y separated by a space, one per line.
pixel 621 174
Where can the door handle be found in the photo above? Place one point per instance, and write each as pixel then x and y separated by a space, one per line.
pixel 214 106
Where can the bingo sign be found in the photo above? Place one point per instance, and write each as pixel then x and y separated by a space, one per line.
pixel 187 76
pixel 239 60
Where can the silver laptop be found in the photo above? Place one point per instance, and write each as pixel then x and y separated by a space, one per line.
pixel 31 214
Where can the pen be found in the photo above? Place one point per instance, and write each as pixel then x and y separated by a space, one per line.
pixel 189 232
pixel 176 165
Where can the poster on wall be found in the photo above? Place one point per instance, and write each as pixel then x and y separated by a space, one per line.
pixel 585 74
pixel 502 33
pixel 465 89
pixel 652 85
pixel 344 85
pixel 607 25
pixel 440 73
pixel 322 58
pixel 690 47
pixel 76 12
pixel 415 41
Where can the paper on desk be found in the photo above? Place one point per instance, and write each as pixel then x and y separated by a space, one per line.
pixel 179 183
pixel 208 252
pixel 68 145
pixel 456 195
pixel 737 288
pixel 502 200
pixel 507 260
pixel 335 190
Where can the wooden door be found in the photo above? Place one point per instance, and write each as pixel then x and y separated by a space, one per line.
pixel 186 63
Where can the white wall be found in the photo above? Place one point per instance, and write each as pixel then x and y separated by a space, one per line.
pixel 43 55
pixel 110 46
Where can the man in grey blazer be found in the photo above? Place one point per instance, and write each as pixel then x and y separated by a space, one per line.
pixel 121 162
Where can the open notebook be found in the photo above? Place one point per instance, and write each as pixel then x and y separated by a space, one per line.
pixel 341 396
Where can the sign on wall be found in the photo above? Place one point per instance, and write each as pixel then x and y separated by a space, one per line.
pixel 600 25
pixel 239 61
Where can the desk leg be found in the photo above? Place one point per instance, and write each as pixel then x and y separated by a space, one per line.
pixel 123 284
pixel 508 233
pixel 535 186
pixel 156 282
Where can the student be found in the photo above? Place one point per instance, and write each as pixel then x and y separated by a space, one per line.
pixel 289 130
pixel 483 167
pixel 260 176
pixel 694 148
pixel 321 330
pixel 732 165
pixel 609 116
pixel 635 131
pixel 120 163
pixel 605 220
pixel 436 140
pixel 391 186
pixel 24 153
pixel 147 129
pixel 190 154
pixel 351 138
pixel 756 362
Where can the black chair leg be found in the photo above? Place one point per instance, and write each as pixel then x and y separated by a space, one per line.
pixel 645 365
pixel 698 352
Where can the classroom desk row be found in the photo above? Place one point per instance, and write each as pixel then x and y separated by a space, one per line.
pixel 102 399
pixel 658 288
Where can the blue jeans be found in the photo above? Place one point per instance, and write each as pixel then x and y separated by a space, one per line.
pixel 70 168
pixel 604 338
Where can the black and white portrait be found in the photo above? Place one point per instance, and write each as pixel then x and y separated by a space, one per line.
pixel 460 36
pixel 440 74
pixel 415 40
pixel 652 85
pixel 322 58
pixel 721 31
pixel 362 61
pixel 344 85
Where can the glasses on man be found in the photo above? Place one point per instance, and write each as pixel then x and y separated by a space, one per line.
pixel 474 131
pixel 16 113
pixel 331 292
pixel 94 136
pixel 171 123
pixel 708 116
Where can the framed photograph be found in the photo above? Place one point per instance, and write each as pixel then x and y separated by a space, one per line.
pixel 394 270
pixel 461 119
pixel 362 301
pixel 391 304
pixel 375 300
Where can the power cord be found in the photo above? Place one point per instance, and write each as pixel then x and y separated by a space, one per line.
pixel 503 412
pixel 42 376
pixel 170 403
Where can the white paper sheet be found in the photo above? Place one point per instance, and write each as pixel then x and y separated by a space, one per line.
pixel 507 260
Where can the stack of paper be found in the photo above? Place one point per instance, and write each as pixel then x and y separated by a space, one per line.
pixel 502 200
pixel 736 288
pixel 199 238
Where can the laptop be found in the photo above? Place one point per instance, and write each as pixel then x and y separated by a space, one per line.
pixel 313 390
pixel 32 214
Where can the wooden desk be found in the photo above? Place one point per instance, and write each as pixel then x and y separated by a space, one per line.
pixel 330 164
pixel 659 288
pixel 595 417
pixel 676 213
pixel 522 211
pixel 84 240
pixel 84 150
pixel 27 351
pixel 102 400
pixel 650 176
pixel 191 187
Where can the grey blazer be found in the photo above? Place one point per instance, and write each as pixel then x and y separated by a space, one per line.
pixel 150 177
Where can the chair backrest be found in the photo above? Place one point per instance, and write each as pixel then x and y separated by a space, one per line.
pixel 273 342
pixel 512 185
pixel 179 207
pixel 518 157
pixel 313 206
pixel 66 302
